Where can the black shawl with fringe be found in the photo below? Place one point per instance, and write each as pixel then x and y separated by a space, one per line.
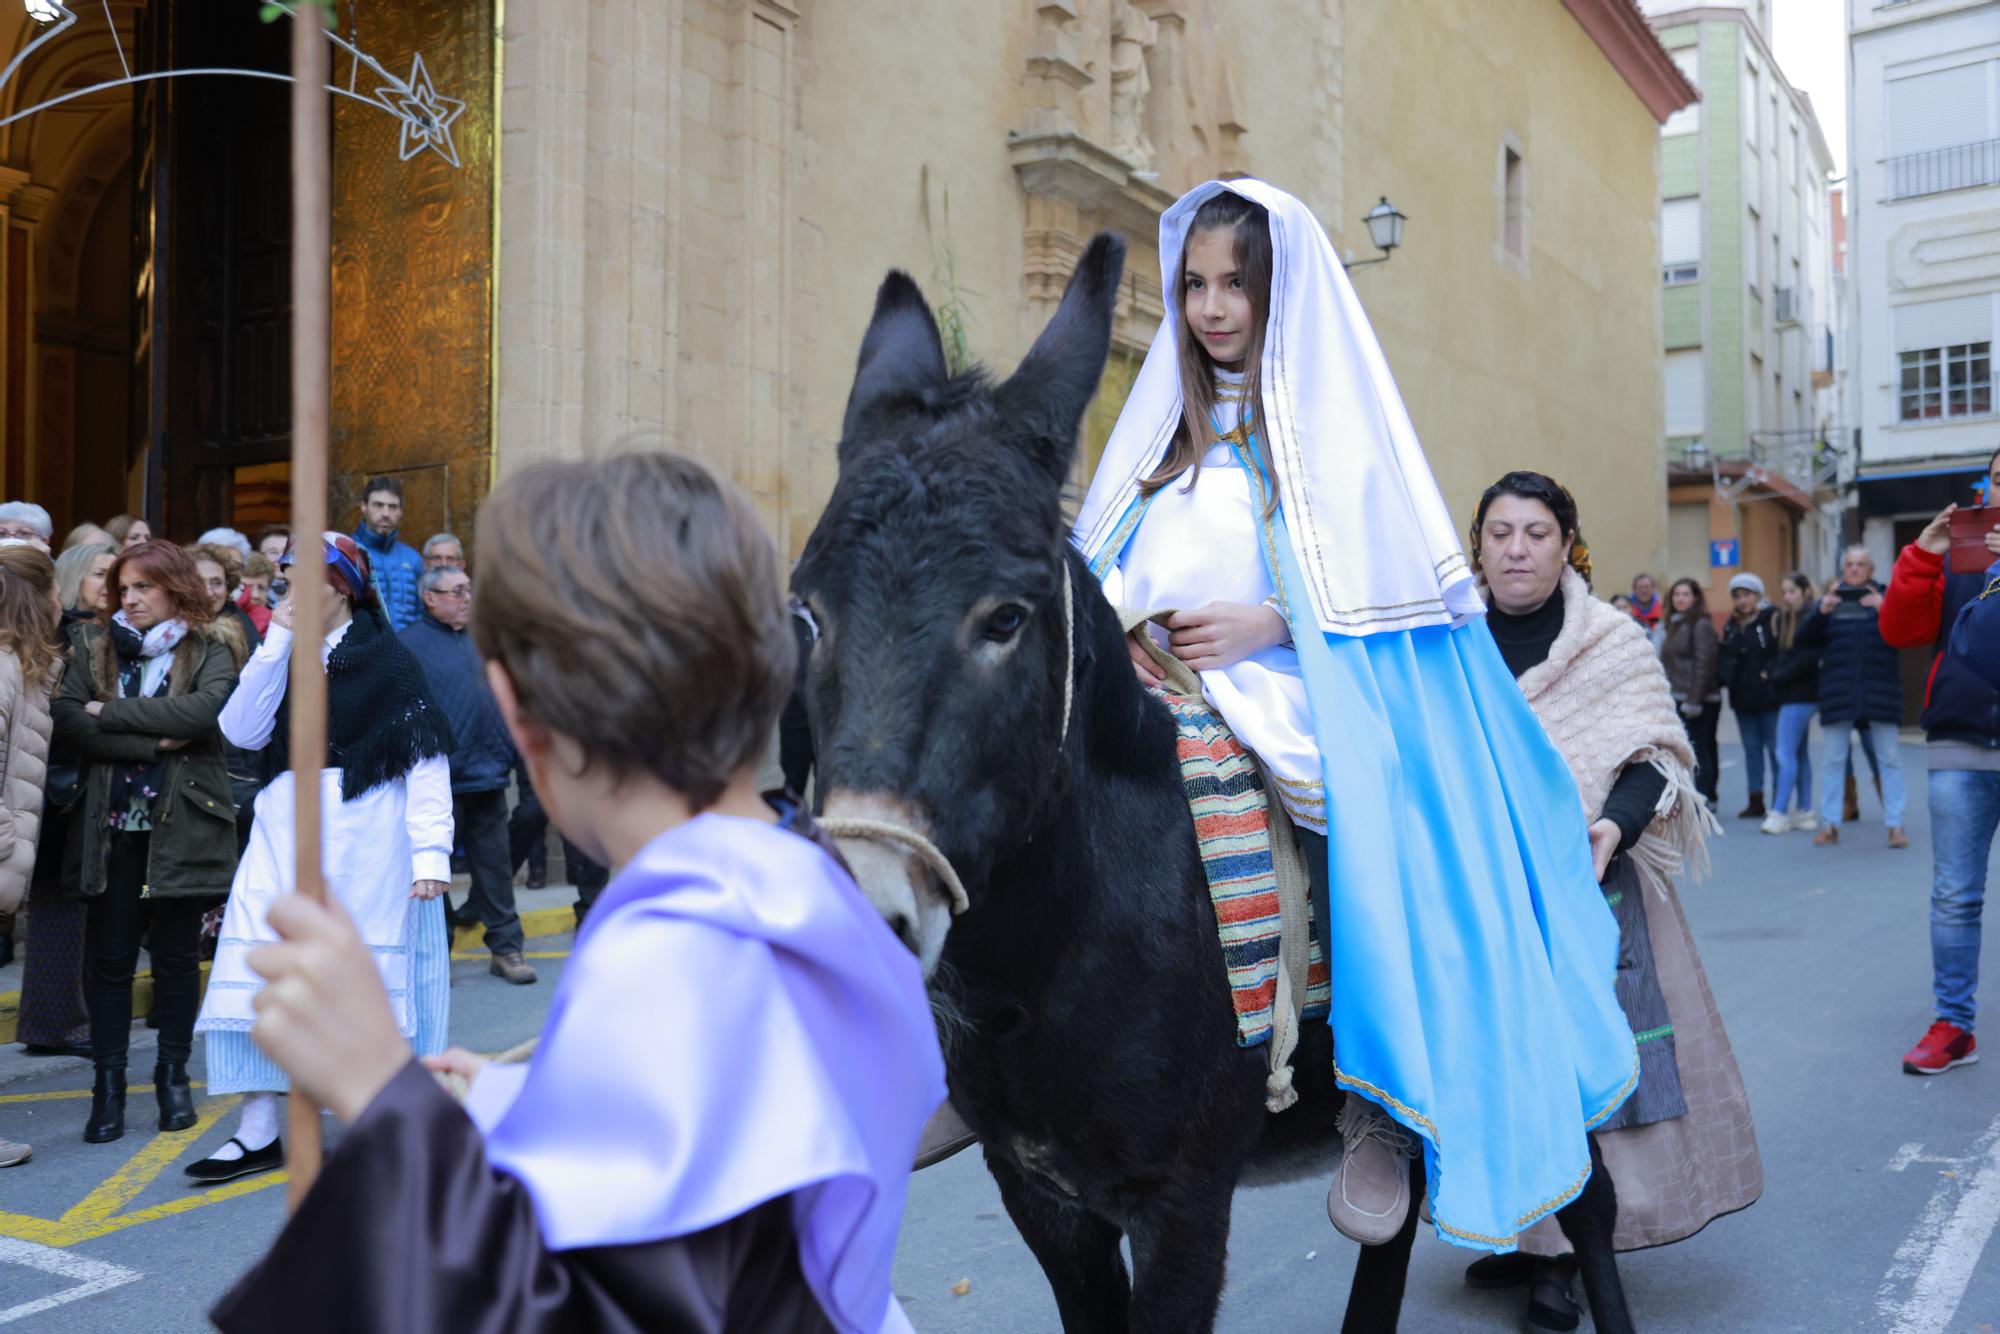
pixel 381 719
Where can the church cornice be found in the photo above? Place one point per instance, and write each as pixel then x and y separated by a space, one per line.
pixel 1628 42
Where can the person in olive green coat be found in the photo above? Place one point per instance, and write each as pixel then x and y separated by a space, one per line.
pixel 157 825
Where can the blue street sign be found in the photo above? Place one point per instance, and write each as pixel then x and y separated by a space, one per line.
pixel 1722 553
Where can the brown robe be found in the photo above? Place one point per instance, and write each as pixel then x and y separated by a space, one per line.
pixel 409 1228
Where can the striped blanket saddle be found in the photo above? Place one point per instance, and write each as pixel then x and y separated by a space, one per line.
pixel 1233 824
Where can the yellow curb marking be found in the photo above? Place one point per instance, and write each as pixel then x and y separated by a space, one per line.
pixel 83 1093
pixel 97 1214
pixel 471 956
pixel 536 924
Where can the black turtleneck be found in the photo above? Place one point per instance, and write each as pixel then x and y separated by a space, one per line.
pixel 1525 641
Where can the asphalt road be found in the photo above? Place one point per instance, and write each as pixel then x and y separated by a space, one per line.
pixel 1883 1190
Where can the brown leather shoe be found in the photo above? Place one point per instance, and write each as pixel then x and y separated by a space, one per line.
pixel 1897 838
pixel 1828 835
pixel 513 968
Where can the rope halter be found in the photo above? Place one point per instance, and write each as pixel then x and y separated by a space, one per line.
pixel 927 852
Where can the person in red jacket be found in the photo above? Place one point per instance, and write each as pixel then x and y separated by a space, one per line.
pixel 1962 722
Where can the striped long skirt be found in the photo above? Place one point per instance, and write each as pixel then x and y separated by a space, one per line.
pixel 237 1065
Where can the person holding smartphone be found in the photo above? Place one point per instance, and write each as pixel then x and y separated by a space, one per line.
pixel 1924 602
pixel 1860 686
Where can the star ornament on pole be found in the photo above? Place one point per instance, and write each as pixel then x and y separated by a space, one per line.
pixel 427 118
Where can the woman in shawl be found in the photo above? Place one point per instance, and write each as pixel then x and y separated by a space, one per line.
pixel 1682 1150
pixel 386 798
pixel 1265 480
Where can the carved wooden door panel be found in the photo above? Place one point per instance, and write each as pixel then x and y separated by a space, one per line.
pixel 413 272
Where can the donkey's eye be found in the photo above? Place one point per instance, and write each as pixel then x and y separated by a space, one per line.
pixel 1005 623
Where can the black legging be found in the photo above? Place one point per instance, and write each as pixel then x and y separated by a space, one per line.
pixel 1701 735
pixel 119 917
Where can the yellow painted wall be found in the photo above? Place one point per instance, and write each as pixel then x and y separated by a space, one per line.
pixel 695 256
pixel 1555 367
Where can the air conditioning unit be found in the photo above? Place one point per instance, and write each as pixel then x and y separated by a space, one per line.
pixel 1788 305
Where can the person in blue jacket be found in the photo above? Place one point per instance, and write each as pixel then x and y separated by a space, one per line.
pixel 395 566
pixel 1975 637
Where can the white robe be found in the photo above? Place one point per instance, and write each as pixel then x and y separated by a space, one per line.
pixel 1198 545
pixel 373 849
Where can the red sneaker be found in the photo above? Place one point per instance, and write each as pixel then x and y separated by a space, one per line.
pixel 1943 1047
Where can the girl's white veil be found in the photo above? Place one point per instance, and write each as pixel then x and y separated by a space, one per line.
pixel 1373 538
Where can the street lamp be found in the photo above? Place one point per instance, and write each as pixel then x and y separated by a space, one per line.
pixel 1385 228
pixel 44 11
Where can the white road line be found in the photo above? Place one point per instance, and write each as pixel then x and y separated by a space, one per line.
pixel 1927 1279
pixel 92 1276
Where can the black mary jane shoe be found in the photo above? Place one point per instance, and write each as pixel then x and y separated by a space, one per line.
pixel 1552 1307
pixel 107 1108
pixel 170 1086
pixel 213 1171
pixel 1489 1273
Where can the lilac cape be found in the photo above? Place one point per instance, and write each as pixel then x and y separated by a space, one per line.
pixel 737 1023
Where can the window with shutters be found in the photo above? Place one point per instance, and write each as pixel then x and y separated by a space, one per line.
pixel 1944 361
pixel 1753 250
pixel 1688 119
pixel 1942 133
pixel 1753 106
pixel 1687 393
pixel 1680 241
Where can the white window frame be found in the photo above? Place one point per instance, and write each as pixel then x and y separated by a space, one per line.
pixel 1953 383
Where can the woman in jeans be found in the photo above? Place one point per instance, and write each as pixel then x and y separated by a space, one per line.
pixel 1689 654
pixel 157 826
pixel 1795 683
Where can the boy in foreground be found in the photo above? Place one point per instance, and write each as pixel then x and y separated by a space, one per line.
pixel 716 1129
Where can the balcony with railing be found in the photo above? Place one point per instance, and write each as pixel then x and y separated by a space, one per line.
pixel 1960 167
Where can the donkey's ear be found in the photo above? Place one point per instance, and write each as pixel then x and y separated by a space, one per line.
pixel 1043 401
pixel 901 355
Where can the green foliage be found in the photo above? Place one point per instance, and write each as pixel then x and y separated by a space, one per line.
pixel 954 314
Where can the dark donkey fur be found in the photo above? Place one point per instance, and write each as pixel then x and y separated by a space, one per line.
pixel 1091 1043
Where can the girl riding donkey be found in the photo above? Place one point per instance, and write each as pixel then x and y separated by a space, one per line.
pixel 1265 480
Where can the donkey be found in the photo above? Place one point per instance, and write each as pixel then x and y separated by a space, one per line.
pixel 971 695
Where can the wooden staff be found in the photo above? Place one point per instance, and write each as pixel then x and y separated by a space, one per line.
pixel 312 249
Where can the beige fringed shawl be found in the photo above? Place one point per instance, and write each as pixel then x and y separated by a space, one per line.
pixel 1603 699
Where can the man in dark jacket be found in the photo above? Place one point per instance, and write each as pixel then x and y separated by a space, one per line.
pixel 1749 647
pixel 394 567
pixel 1860 685
pixel 480 764
pixel 1962 725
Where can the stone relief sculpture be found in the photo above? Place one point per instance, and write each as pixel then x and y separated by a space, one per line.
pixel 1132 37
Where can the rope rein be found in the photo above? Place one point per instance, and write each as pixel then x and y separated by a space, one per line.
pixel 926 851
pixel 887 831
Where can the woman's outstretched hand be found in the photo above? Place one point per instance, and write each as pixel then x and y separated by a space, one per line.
pixel 1223 634
pixel 323 1015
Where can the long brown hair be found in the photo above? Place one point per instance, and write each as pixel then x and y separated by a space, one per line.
pixel 1700 606
pixel 168 567
pixel 1790 618
pixel 28 610
pixel 1250 228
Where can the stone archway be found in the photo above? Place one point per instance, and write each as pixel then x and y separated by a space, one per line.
pixel 81 329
